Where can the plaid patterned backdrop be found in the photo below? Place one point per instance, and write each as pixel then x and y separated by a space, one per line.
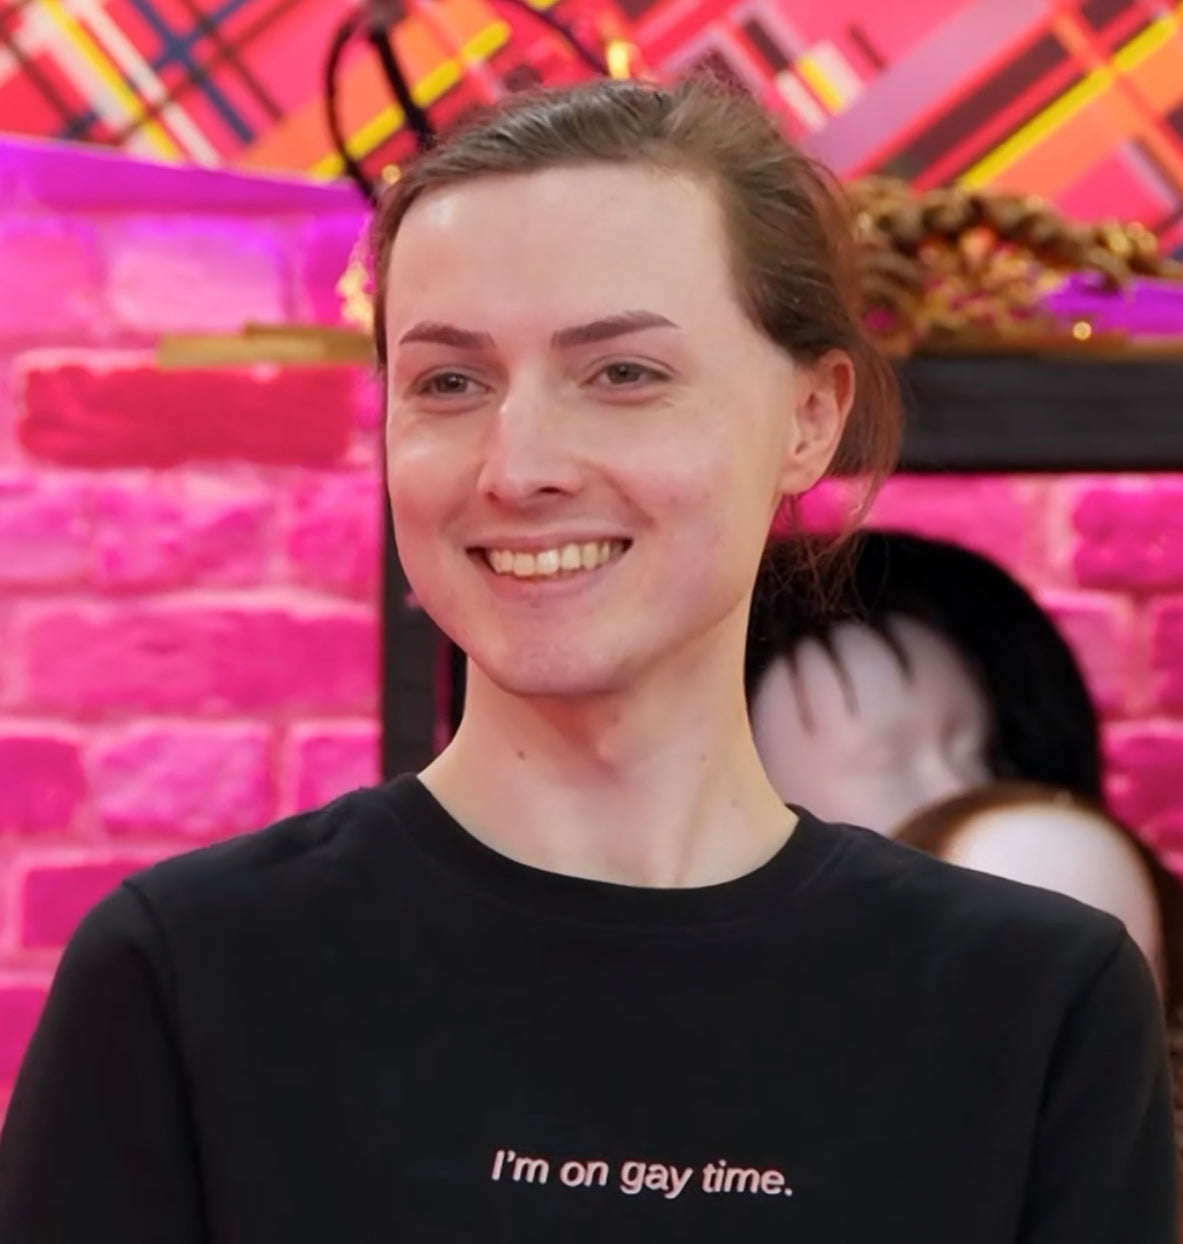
pixel 1078 100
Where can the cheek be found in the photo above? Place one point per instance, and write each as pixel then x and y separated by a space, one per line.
pixel 424 477
pixel 717 513
pixel 410 501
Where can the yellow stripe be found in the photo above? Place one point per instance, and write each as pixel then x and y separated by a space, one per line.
pixel 823 88
pixel 436 81
pixel 1072 101
pixel 619 56
pixel 1037 129
pixel 94 57
pixel 382 124
pixel 425 92
pixel 1145 42
pixel 482 45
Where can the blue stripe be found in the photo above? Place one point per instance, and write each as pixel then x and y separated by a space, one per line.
pixel 179 49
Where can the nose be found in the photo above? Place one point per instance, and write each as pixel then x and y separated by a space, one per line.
pixel 528 451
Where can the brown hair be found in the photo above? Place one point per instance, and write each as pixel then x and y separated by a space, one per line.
pixel 933 828
pixel 790 234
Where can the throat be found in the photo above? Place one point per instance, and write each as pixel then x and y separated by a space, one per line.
pixel 666 822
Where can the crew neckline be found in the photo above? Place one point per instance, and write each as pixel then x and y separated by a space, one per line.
pixel 437 834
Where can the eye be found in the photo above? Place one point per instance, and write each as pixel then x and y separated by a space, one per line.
pixel 448 384
pixel 627 375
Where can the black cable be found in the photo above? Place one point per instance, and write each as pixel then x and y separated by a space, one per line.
pixel 341 39
pixel 377 33
pixel 595 63
pixel 415 116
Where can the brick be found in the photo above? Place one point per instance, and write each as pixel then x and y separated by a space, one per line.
pixel 323 250
pixel 330 759
pixel 178 274
pixel 1165 618
pixel 50 278
pixel 1101 631
pixel 44 537
pixel 1143 763
pixel 12 659
pixel 168 531
pixel 43 783
pixel 120 410
pixel 20 1009
pixel 998 516
pixel 56 894
pixel 334 537
pixel 7 410
pixel 1129 533
pixel 203 658
pixel 192 782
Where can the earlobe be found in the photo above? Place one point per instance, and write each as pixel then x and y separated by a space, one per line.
pixel 819 420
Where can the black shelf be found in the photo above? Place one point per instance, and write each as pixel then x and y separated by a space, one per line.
pixel 411 648
pixel 965 415
pixel 1006 413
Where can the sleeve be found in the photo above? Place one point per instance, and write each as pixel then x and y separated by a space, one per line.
pixel 98 1147
pixel 1105 1166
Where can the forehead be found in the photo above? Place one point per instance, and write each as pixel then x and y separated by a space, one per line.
pixel 564 242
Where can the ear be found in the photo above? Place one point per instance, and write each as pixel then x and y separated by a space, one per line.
pixel 824 399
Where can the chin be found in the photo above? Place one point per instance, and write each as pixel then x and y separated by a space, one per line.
pixel 549 675
pixel 551 685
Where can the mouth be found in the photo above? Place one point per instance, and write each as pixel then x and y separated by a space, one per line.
pixel 562 561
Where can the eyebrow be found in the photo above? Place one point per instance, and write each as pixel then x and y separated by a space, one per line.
pixel 609 327
pixel 432 332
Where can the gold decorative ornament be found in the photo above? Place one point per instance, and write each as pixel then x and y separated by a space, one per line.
pixel 951 268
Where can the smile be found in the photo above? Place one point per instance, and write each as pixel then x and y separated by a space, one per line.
pixel 565 559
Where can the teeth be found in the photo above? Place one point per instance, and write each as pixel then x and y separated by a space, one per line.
pixel 546 563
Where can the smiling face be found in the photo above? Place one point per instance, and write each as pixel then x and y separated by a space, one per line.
pixel 858 734
pixel 586 437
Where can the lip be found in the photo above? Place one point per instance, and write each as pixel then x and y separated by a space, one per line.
pixel 537 544
pixel 510 588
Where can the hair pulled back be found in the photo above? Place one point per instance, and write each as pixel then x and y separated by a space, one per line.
pixel 789 231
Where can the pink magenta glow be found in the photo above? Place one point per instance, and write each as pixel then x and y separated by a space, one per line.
pixel 189 566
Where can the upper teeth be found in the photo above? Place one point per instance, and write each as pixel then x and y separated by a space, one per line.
pixel 544 562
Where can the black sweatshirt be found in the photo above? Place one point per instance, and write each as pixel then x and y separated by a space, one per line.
pixel 362 1025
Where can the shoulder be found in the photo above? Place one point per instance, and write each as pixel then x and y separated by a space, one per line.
pixel 291 869
pixel 942 918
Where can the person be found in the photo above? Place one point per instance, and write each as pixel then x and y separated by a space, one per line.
pixel 928 670
pixel 1062 841
pixel 586 977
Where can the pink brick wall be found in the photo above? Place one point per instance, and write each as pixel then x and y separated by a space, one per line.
pixel 188 562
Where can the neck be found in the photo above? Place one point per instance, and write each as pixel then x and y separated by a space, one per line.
pixel 660 787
